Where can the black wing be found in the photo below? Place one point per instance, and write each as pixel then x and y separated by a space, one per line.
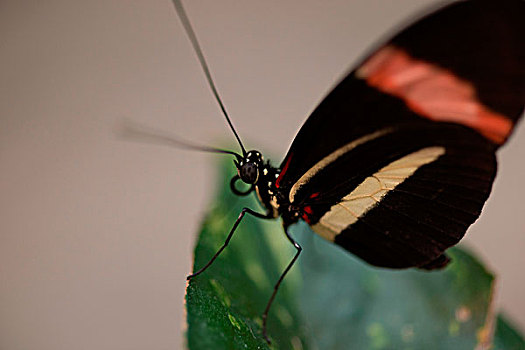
pixel 401 199
pixel 446 93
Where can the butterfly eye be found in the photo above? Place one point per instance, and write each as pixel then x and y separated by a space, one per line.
pixel 249 173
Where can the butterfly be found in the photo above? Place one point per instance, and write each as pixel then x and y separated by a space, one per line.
pixel 397 161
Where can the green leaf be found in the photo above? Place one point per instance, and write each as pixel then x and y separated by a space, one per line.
pixel 225 303
pixel 330 299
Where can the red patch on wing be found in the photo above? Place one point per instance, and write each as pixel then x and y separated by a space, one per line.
pixel 306 218
pixel 315 194
pixel 307 211
pixel 432 92
pixel 283 171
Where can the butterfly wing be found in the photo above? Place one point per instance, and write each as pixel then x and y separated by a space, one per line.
pixel 402 198
pixel 397 161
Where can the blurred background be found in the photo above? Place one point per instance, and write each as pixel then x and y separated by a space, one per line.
pixel 97 233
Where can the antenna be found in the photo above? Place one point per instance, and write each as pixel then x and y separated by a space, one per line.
pixel 138 132
pixel 198 51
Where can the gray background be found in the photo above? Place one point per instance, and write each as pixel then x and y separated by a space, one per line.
pixel 96 233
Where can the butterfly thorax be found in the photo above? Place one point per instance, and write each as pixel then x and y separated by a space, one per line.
pixel 274 199
pixel 266 190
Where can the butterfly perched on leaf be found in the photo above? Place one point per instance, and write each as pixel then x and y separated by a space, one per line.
pixel 398 160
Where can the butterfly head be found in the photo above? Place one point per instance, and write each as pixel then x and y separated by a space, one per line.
pixel 249 167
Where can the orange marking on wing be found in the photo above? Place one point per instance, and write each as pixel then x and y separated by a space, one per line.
pixel 432 92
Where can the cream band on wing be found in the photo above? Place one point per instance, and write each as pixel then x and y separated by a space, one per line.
pixel 332 157
pixel 432 92
pixel 370 192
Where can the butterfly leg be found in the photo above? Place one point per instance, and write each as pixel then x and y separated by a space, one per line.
pixel 237 222
pixel 276 287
